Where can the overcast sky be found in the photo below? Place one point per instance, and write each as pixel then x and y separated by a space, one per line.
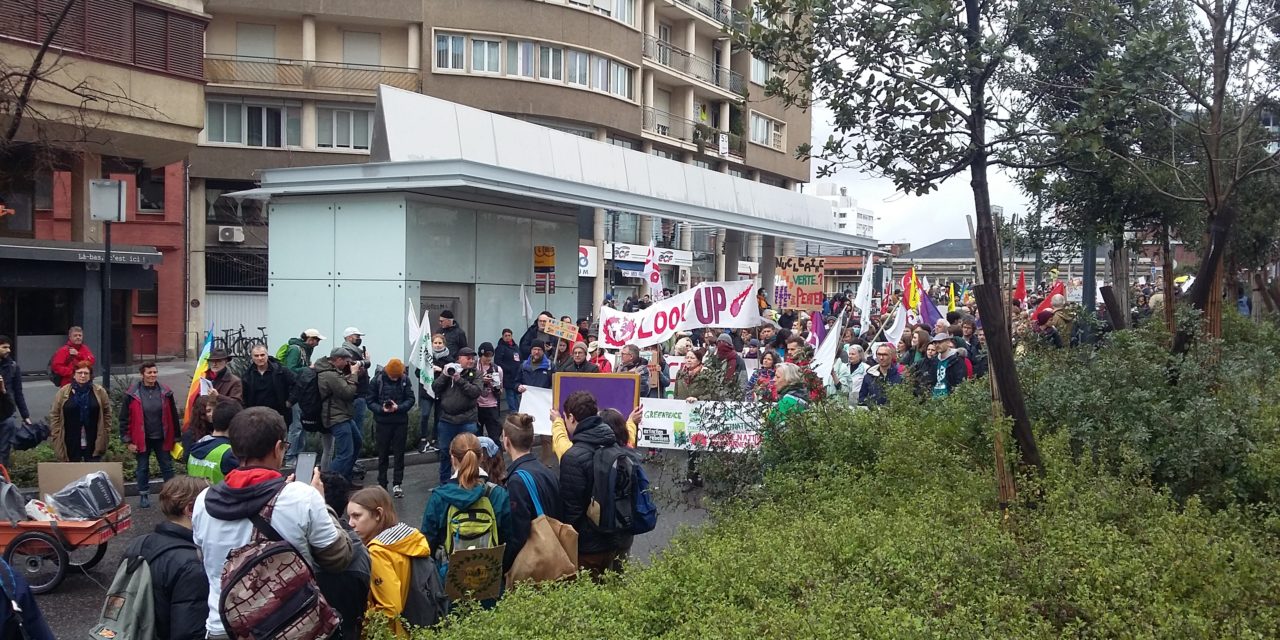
pixel 918 220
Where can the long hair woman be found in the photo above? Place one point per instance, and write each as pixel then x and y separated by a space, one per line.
pixel 470 489
pixel 392 547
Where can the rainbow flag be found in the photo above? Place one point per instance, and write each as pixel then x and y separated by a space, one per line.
pixel 202 367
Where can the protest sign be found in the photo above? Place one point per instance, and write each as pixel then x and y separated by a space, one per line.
pixel 798 283
pixel 536 402
pixel 474 573
pixel 619 391
pixel 561 329
pixel 710 304
pixel 678 424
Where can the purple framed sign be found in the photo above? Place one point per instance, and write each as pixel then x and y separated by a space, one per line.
pixel 619 391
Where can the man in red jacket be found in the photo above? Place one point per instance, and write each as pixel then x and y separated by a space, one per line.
pixel 74 351
pixel 148 422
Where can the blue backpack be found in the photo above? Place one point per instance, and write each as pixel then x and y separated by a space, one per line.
pixel 622 493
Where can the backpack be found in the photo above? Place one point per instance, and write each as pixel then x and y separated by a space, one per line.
pixel 475 527
pixel 310 400
pixel 621 493
pixel 13 507
pixel 426 603
pixel 48 372
pixel 128 612
pixel 269 590
pixel 29 436
pixel 282 351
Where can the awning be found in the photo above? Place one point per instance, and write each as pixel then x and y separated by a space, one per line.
pixel 22 249
pixel 427 145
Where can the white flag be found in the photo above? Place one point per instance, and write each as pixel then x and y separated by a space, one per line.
pixel 862 300
pixel 825 357
pixel 424 360
pixel 526 307
pixel 893 333
pixel 652 274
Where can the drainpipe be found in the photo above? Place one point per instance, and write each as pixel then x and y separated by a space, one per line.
pixel 186 263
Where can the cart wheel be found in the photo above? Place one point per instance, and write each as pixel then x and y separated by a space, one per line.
pixel 83 558
pixel 40 558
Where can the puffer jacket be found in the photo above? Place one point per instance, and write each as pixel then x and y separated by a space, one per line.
pixel 507 356
pixel 390 555
pixel 180 587
pixel 457 398
pixel 338 393
pixel 399 391
pixel 577 483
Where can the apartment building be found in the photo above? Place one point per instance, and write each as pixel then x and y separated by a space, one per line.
pixel 120 95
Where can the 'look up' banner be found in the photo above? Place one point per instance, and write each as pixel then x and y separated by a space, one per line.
pixel 726 305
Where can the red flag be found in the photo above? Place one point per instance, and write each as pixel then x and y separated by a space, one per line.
pixel 1059 288
pixel 1020 293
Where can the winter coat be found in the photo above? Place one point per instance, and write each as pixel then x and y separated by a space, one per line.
pixel 12 374
pixel 701 385
pixel 956 372
pixel 269 389
pixel 456 399
pixel 64 364
pixel 348 590
pixel 531 335
pixel 875 385
pixel 132 427
pixel 454 338
pixel 390 555
pixel 577 483
pixel 570 366
pixel 227 384
pixel 538 375
pixel 399 391
pixel 522 511
pixel 434 525
pixel 642 369
pixel 57 427
pixel 15 586
pixel 298 356
pixel 602 363
pixel 507 357
pixel 792 400
pixel 337 393
pixel 179 586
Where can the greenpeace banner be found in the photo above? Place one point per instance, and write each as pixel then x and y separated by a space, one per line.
pixel 678 424
pixel 727 305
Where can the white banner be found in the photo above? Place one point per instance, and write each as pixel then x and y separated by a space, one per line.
pixel 726 305
pixel 677 424
pixel 536 402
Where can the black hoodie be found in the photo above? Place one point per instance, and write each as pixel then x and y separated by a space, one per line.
pixel 577 480
pixel 226 502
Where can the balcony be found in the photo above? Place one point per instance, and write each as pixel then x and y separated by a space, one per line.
pixel 717 10
pixel 704 137
pixel 280 73
pixel 686 63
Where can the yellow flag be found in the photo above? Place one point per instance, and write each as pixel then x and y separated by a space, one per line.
pixel 951 304
pixel 913 296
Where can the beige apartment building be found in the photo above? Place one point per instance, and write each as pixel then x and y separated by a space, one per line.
pixel 292 83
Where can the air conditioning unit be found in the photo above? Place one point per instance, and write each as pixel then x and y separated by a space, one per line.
pixel 234 235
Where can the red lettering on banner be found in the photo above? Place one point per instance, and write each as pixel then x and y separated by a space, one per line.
pixel 807 298
pixel 659 322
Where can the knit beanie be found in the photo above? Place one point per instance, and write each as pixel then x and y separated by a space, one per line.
pixel 394 368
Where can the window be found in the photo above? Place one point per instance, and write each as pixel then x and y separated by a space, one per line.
pixel 151 189
pixel 486 56
pixel 253 125
pixel 604 6
pixel 600 78
pixel 626 13
pixel 149 300
pixel 222 123
pixel 44 190
pixel 520 58
pixel 624 143
pixel 703 164
pixel 451 52
pixel 343 128
pixel 550 63
pixel 255 40
pixel 760 71
pixel 579 68
pixel 620 80
pixel 767 131
pixel 361 48
pixel 663 153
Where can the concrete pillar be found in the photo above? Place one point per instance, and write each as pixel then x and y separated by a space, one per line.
pixel 789 248
pixel 686 236
pixel 646 93
pixel 646 229
pixel 768 252
pixel 308 124
pixel 414 56
pixel 723 124
pixel 732 250
pixel 690 36
pixel 719 248
pixel 650 21
pixel 196 277
pixel 599 284
pixel 309 38
pixel 754 242
pixel 85 166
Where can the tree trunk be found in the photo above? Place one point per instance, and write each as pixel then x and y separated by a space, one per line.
pixel 1166 251
pixel 1258 285
pixel 1118 264
pixel 1206 294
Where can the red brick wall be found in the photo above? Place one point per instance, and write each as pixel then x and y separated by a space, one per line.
pixel 162 333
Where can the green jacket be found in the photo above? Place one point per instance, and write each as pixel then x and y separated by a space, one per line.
pixel 701 386
pixel 298 356
pixel 337 393
pixel 791 401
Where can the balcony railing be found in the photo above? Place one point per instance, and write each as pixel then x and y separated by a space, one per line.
pixel 669 55
pixel 301 74
pixel 717 10
pixel 685 130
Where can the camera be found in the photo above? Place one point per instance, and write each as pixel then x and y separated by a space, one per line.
pixel 386 405
pixel 452 369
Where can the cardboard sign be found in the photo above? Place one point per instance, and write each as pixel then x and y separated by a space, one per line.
pixel 619 391
pixel 474 573
pixel 536 402
pixel 798 283
pixel 560 329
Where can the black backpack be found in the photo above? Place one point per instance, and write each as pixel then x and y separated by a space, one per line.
pixel 621 492
pixel 48 371
pixel 426 603
pixel 310 401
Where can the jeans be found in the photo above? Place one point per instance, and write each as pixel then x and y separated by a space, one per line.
pixel 513 400
pixel 357 434
pixel 144 466
pixel 389 439
pixel 7 427
pixel 297 438
pixel 490 420
pixel 447 431
pixel 340 445
pixel 427 423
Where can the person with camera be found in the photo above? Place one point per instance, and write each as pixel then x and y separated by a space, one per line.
pixel 489 414
pixel 457 388
pixel 390 398
pixel 337 377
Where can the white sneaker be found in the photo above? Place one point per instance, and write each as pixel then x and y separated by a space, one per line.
pixel 396 491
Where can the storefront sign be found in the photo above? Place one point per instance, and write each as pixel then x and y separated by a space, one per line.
pixel 544 259
pixel 798 283
pixel 588 262
pixel 637 253
pixel 711 304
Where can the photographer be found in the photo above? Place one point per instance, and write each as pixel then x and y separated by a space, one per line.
pixel 457 391
pixel 390 399
pixel 488 413
pixel 337 377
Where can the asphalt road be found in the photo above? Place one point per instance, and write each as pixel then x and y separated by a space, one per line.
pixel 74 607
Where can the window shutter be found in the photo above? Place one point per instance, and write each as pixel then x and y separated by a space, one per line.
pixel 70 34
pixel 150 38
pixel 186 46
pixel 110 31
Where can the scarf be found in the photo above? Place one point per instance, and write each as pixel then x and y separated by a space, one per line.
pixel 82 398
pixel 727 355
pixel 440 354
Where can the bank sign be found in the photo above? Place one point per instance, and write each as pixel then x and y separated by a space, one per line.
pixel 637 253
pixel 726 305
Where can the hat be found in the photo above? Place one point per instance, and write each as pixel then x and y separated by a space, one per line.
pixel 312 333
pixel 941 337
pixel 593 347
pixel 754 343
pixel 1044 316
pixel 446 314
pixel 466 351
pixel 341 352
pixel 724 337
pixel 578 345
pixel 394 368
pixel 351 331
pixel 219 354
pixel 490 447
pixel 486 348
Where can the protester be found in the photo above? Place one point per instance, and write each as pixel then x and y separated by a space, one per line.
pixel 797 350
pixel 507 355
pixel 353 340
pixel 597 551
pixel 220 377
pixel 599 358
pixel 211 458
pixel 80 419
pixel 657 368
pixel 457 390
pixel 148 423
pixel 729 362
pixel 629 361
pixel 392 546
pixel 878 379
pixel 391 397
pixel 762 301
pixel 535 334
pixel 179 590
pixel 469 488
pixel 976 349
pixel 68 357
pixel 429 412
pixel 19 609
pixel 578 361
pixel 11 383
pixel 793 392
pixel 295 355
pixel 517 439
pixel 454 337
pixel 347 590
pixel 561 357
pixel 760 386
pixel 222 515
pixel 948 369
pixel 536 370
pixel 267 383
pixel 491 459
pixel 696 381
pixel 337 378
pixel 846 377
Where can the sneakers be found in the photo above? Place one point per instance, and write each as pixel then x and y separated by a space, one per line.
pixel 425 447
pixel 144 501
pixel 396 491
pixel 358 468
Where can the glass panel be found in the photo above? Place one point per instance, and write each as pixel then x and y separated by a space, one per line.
pixel 274 122
pixel 213 122
pixel 360 126
pixel 513 59
pixel 324 128
pixel 255 126
pixel 442 52
pixel 234 123
pixel 526 59
pixel 557 64
pixel 343 126
pixel 458 52
pixel 601 79
pixel 544 62
pixel 293 126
